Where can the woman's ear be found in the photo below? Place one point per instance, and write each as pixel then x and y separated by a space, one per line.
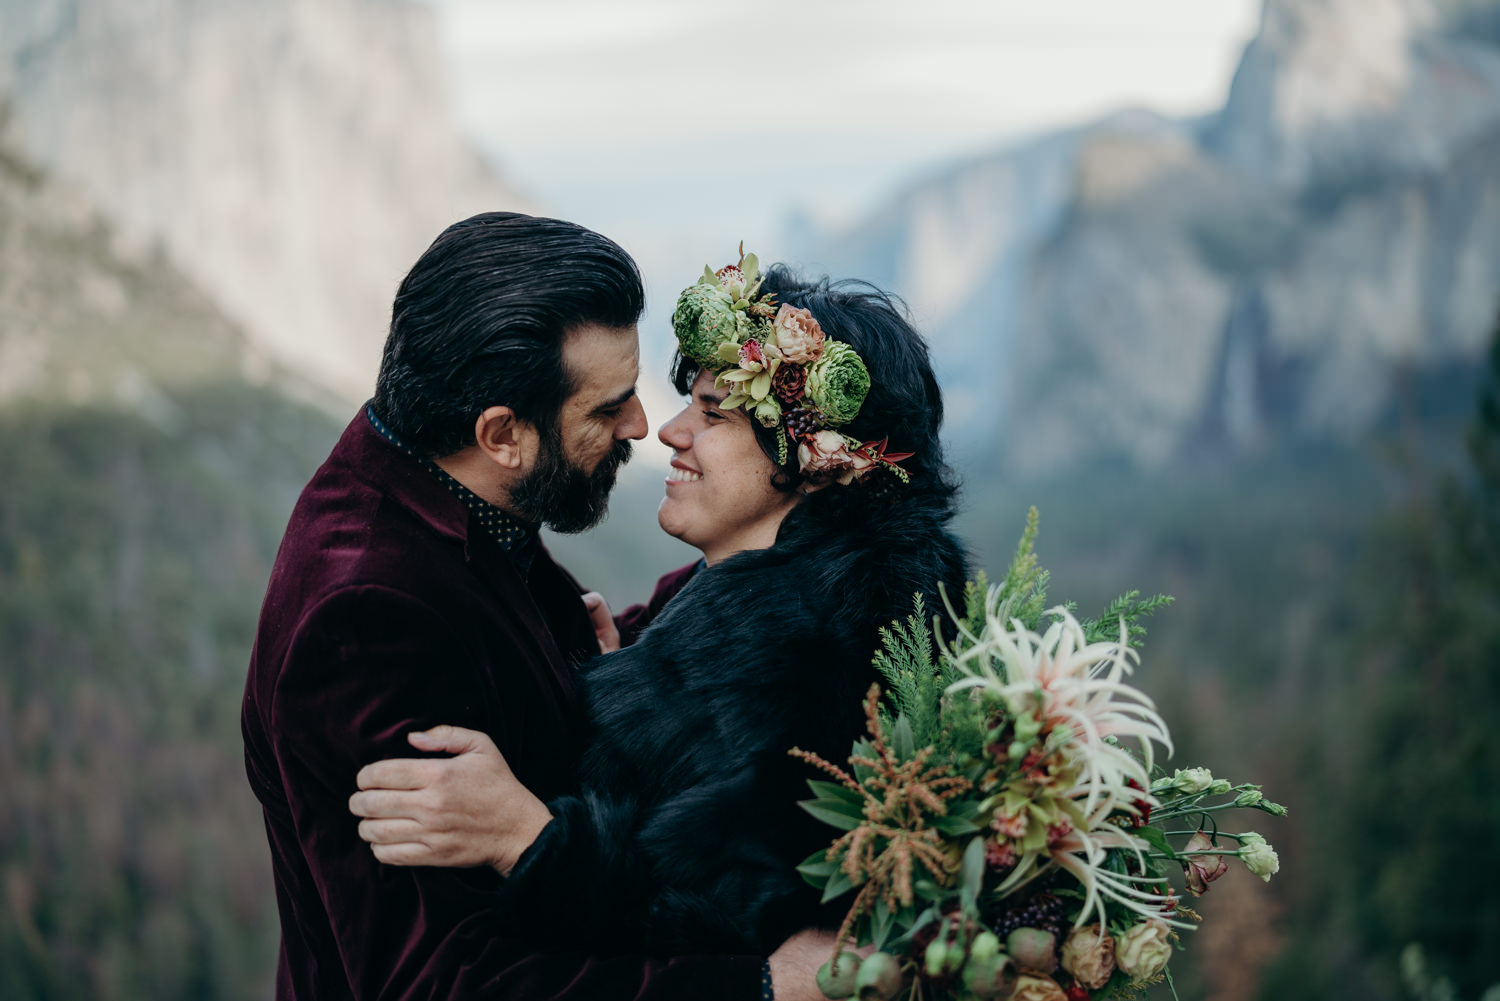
pixel 810 487
pixel 503 437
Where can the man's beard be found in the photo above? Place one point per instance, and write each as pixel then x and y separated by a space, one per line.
pixel 563 496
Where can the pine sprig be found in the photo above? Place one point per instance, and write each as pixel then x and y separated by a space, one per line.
pixel 905 660
pixel 1131 607
pixel 1024 588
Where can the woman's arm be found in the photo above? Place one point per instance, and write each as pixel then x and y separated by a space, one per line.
pixel 463 811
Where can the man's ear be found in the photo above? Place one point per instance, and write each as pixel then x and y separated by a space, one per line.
pixel 502 436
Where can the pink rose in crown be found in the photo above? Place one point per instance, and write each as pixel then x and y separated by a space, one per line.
pixel 825 455
pixel 798 335
pixel 859 465
pixel 752 356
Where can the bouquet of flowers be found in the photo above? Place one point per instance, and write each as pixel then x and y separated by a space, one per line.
pixel 1006 829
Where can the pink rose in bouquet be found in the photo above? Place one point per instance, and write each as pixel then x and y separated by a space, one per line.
pixel 1202 869
pixel 1089 955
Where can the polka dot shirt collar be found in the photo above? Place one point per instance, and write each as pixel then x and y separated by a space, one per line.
pixel 511 533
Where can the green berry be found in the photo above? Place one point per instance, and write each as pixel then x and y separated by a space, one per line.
pixel 841 984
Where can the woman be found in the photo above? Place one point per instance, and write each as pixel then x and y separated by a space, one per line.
pixel 807 469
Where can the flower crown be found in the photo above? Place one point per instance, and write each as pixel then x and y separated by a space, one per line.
pixel 782 369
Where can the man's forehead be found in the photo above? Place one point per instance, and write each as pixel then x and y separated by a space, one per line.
pixel 603 361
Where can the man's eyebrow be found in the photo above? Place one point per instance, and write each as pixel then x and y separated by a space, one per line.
pixel 713 399
pixel 616 402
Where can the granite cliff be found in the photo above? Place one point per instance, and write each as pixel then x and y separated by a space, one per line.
pixel 292 157
pixel 1144 289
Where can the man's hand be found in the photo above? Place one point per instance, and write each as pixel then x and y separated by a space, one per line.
pixel 468 810
pixel 604 623
pixel 794 965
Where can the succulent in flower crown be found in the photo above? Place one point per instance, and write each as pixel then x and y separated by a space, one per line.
pixel 781 367
pixel 838 383
pixel 704 318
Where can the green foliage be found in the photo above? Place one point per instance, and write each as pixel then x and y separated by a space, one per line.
pixel 1130 608
pixel 1023 592
pixel 1403 753
pixel 913 684
pixel 916 679
pixel 132 560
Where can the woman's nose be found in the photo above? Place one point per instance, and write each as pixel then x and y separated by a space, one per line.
pixel 675 433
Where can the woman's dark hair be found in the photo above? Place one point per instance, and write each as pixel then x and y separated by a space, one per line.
pixel 904 403
pixel 480 321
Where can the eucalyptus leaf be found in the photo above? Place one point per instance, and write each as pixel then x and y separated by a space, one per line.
pixel 955 826
pixel 905 743
pixel 928 890
pixel 833 814
pixel 1156 839
pixel 881 923
pixel 834 791
pixel 971 873
pixel 862 749
pixel 838 884
pixel 818 869
pixel 913 927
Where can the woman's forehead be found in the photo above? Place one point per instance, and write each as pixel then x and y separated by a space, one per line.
pixel 703 388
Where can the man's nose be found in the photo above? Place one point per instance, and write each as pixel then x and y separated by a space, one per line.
pixel 633 424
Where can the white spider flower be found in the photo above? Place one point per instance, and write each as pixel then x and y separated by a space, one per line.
pixel 1081 850
pixel 1076 690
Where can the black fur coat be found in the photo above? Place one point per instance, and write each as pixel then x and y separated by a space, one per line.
pixel 687 832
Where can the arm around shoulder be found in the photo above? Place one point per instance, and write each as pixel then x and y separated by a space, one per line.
pixel 370 665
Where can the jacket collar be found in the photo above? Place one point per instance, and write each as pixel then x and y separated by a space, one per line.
pixel 403 478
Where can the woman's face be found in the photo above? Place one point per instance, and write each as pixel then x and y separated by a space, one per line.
pixel 719 493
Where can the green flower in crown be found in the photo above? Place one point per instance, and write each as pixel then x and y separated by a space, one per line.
pixel 838 382
pixel 721 311
pixel 705 318
pixel 782 369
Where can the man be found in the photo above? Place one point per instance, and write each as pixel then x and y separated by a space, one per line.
pixel 411 589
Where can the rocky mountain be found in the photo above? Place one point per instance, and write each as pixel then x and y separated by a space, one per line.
pixel 1144 289
pixel 151 458
pixel 293 157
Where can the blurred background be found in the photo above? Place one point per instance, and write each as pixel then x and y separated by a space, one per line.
pixel 1214 285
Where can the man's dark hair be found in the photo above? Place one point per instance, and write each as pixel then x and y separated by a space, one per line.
pixel 480 320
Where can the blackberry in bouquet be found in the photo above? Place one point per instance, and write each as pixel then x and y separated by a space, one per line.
pixel 1006 830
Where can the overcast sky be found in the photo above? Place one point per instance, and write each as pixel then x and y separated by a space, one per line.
pixel 822 105
pixel 680 127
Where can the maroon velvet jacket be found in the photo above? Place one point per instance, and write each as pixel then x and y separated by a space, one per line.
pixel 387 612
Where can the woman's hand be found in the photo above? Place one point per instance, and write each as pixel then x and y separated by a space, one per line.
pixel 467 810
pixel 604 623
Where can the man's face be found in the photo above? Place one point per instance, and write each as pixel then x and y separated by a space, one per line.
pixel 568 489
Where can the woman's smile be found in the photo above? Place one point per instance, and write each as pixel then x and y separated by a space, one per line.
pixel 733 505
